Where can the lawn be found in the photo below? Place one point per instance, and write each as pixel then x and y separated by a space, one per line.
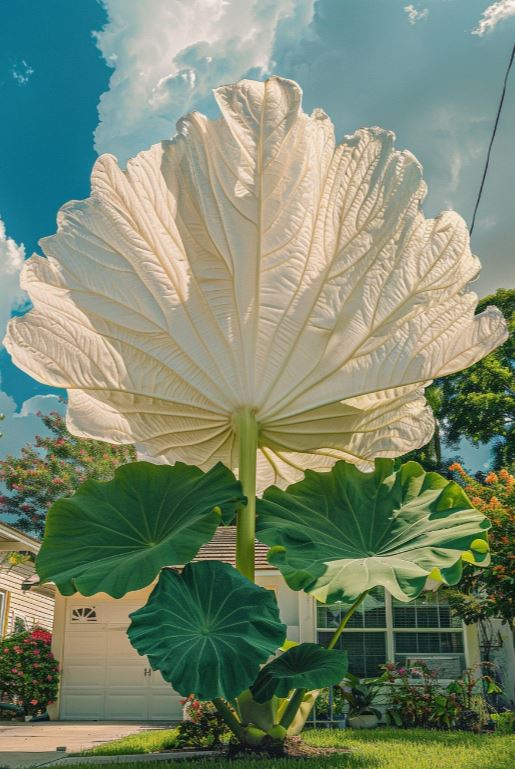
pixel 381 749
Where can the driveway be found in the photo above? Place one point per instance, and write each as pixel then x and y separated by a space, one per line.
pixel 34 744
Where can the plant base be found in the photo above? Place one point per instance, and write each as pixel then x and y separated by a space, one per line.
pixel 292 747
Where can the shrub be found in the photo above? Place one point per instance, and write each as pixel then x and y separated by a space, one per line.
pixel 202 727
pixel 29 673
pixel 418 699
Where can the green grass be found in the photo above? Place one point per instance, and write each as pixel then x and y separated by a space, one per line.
pixel 379 749
pixel 143 742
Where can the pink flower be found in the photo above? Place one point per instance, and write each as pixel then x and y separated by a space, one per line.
pixel 14 670
pixel 34 702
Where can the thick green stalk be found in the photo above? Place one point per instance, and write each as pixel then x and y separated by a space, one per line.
pixel 341 627
pixel 246 522
pixel 292 707
pixel 229 718
pixel 297 697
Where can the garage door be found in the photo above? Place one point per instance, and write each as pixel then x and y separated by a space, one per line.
pixel 102 676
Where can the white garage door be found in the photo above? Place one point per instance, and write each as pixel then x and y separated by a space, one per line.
pixel 103 677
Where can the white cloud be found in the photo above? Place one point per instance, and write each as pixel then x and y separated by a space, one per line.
pixel 22 72
pixel 414 15
pixel 167 55
pixel 11 262
pixel 20 427
pixel 493 15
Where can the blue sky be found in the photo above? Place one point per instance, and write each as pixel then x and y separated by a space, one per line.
pixel 429 70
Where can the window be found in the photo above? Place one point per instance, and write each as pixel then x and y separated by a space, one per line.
pixel 84 614
pixel 384 629
pixel 425 629
pixel 365 635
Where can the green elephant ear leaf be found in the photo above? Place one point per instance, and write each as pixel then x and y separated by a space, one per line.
pixel 306 666
pixel 115 536
pixel 207 629
pixel 339 533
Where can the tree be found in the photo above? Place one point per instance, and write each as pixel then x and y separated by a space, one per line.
pixel 479 402
pixel 54 467
pixel 485 594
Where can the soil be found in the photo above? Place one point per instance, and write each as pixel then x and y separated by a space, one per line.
pixel 293 747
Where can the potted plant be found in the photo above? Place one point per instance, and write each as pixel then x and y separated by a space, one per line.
pixel 360 696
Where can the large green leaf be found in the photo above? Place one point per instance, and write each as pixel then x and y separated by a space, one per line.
pixel 339 533
pixel 307 666
pixel 207 629
pixel 114 537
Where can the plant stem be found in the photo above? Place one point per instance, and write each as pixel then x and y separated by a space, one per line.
pixel 246 520
pixel 297 696
pixel 229 718
pixel 292 707
pixel 341 627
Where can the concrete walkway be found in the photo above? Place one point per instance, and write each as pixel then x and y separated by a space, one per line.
pixel 34 744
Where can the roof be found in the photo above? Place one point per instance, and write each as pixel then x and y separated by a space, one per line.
pixel 223 548
pixel 12 539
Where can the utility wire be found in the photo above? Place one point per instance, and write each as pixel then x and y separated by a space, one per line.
pixel 485 170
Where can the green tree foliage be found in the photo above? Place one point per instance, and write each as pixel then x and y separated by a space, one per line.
pixel 479 402
pixel 483 594
pixel 53 467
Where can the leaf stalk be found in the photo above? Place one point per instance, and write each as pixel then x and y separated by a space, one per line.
pixel 247 429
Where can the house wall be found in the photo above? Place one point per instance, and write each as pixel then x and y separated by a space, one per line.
pixel 104 678
pixel 33 608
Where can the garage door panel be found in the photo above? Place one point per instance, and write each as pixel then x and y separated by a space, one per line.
pixel 80 674
pixel 165 706
pixel 87 643
pixel 125 674
pixel 126 704
pixel 104 677
pixel 83 705
pixel 118 643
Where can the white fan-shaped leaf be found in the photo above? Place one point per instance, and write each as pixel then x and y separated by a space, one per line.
pixel 251 262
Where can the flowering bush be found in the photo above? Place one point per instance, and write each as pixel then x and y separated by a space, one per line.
pixel 202 726
pixel 29 673
pixel 418 699
pixel 487 593
pixel 53 467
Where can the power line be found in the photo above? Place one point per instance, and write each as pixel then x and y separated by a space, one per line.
pixel 485 170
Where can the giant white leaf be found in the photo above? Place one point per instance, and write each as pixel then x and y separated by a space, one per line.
pixel 252 262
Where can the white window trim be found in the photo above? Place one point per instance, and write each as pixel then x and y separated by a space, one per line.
pixel 389 630
pixel 4 600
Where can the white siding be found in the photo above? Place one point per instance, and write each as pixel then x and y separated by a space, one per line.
pixel 34 608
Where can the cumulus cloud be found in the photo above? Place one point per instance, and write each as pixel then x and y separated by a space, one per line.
pixel 414 15
pixel 11 261
pixel 167 55
pixel 493 15
pixel 20 426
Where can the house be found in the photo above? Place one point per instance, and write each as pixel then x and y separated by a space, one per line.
pixel 104 678
pixel 21 609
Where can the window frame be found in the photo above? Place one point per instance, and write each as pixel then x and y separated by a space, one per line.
pixel 4 611
pixel 390 630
